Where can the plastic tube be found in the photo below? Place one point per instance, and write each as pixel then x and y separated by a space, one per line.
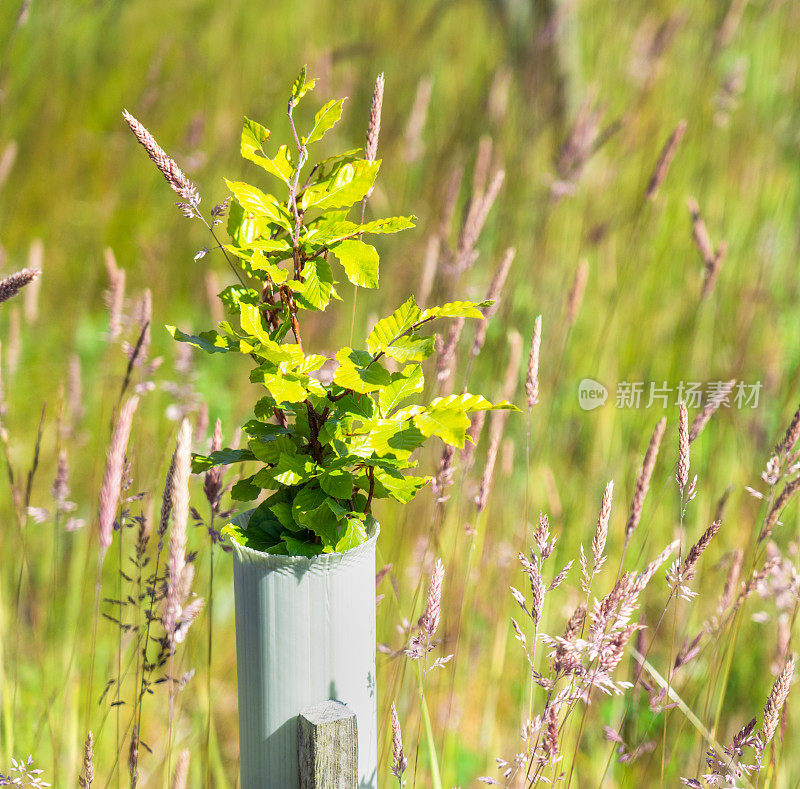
pixel 305 632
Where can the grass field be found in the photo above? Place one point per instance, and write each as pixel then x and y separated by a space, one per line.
pixel 575 102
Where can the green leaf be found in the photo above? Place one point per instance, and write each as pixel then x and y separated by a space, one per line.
pixel 458 309
pixel 447 418
pixel 309 364
pixel 301 87
pixel 360 405
pixel 337 483
pixel 450 424
pixel 293 469
pixel 360 262
pixel 269 449
pixel 233 295
pixel 271 245
pixel 388 329
pixel 347 184
pixel 356 372
pixel 297 547
pixel 400 487
pixel 355 534
pixel 243 228
pixel 391 224
pixel 284 387
pixel 275 273
pixel 308 498
pixel 282 510
pixel 253 200
pixel 245 490
pixel 325 119
pixel 253 325
pixel 211 342
pixel 410 349
pixel 253 538
pixel 394 436
pixel 318 281
pixel 327 166
pixel 469 402
pixel 403 385
pixel 254 135
pixel 222 457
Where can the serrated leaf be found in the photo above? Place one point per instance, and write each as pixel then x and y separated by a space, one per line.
pixel 360 405
pixel 458 309
pixel 222 457
pixel 254 136
pixel 337 159
pixel 293 469
pixel 394 436
pixel 307 500
pixel 347 184
pixel 403 385
pixel 211 341
pixel 295 547
pixel 243 227
pixel 318 281
pixel 390 224
pixel 234 295
pixel 325 119
pixel 356 372
pixel 410 349
pixel 285 388
pixel 355 534
pixel 260 263
pixel 359 261
pixel 309 364
pixel 300 86
pixel 270 449
pixel 253 325
pixel 256 531
pixel 337 483
pixel 282 510
pixel 329 232
pixel 271 245
pixel 400 487
pixel 245 490
pixel 450 424
pixel 469 402
pixel 254 201
pixel 388 329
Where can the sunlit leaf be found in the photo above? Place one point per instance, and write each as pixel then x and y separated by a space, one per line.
pixel 211 341
pixel 355 534
pixel 449 424
pixel 458 309
pixel 325 119
pixel 222 457
pixel 356 372
pixel 347 184
pixel 403 385
pixel 253 200
pixel 388 329
pixel 337 483
pixel 391 224
pixel 300 86
pixel 410 349
pixel 359 261
pixel 318 280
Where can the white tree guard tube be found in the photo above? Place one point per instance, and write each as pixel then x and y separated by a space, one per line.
pixel 305 632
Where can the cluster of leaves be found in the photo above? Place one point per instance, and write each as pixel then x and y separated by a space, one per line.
pixel 328 448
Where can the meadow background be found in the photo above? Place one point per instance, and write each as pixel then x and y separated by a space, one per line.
pixel 497 82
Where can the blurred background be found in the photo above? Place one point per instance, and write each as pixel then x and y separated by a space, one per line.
pixel 575 101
